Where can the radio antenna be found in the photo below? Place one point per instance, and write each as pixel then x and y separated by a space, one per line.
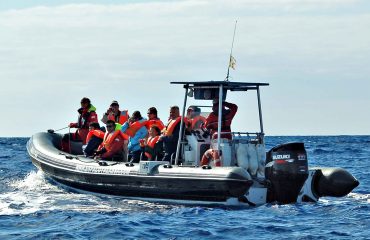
pixel 232 61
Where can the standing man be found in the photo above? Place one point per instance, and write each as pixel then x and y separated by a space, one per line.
pixel 86 116
pixel 228 112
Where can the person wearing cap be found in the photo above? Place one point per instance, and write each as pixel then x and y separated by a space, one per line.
pixel 112 146
pixel 153 119
pixel 87 115
pixel 136 130
pixel 115 114
pixel 228 112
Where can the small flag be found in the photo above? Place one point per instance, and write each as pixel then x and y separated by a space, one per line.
pixel 232 63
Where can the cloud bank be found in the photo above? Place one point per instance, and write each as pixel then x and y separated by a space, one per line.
pixel 313 53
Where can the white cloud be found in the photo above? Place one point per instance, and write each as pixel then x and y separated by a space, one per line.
pixel 56 55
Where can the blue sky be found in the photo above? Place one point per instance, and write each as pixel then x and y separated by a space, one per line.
pixel 314 54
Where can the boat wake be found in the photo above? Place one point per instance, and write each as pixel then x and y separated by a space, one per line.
pixel 361 197
pixel 35 193
pixel 25 196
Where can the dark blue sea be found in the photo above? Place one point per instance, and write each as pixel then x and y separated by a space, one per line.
pixel 31 207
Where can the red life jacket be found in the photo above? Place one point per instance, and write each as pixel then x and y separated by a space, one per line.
pixel 96 133
pixel 154 122
pixel 150 144
pixel 109 138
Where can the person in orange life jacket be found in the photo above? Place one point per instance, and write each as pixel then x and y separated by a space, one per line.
pixel 194 119
pixel 112 146
pixel 227 117
pixel 113 113
pixel 152 148
pixel 170 134
pixel 87 115
pixel 153 119
pixel 136 131
pixel 93 140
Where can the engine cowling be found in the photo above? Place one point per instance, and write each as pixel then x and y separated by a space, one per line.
pixel 287 171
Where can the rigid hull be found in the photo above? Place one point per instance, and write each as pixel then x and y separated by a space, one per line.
pixel 152 179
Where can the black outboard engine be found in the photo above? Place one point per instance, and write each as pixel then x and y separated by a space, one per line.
pixel 286 170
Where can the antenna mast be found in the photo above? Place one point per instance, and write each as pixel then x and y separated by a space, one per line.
pixel 231 59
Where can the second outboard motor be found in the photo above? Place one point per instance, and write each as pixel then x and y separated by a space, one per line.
pixel 287 171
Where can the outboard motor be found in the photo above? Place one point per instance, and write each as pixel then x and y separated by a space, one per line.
pixel 286 170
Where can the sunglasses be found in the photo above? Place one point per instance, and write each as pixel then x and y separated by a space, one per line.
pixel 110 126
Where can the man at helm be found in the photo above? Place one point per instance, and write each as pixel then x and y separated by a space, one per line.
pixel 228 112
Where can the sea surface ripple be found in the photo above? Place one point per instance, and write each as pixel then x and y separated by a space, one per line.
pixel 33 207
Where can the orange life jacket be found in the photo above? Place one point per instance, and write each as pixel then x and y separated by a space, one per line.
pixel 197 122
pixel 134 127
pixel 109 138
pixel 150 144
pixel 154 122
pixel 171 126
pixel 123 117
pixel 96 133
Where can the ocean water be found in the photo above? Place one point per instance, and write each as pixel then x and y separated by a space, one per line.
pixel 32 207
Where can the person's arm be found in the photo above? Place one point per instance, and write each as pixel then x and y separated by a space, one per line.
pixel 104 119
pixel 233 109
pixel 134 143
pixel 160 124
pixel 125 126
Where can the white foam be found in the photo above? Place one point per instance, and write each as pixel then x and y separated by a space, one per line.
pixel 26 197
pixel 360 197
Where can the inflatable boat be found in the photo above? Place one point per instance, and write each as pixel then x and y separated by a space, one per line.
pixel 245 174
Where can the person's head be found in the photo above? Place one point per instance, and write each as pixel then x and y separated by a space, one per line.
pixel 114 106
pixel 215 107
pixel 110 125
pixel 174 112
pixel 189 112
pixel 154 131
pixel 136 116
pixel 192 111
pixel 94 126
pixel 85 102
pixel 152 113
